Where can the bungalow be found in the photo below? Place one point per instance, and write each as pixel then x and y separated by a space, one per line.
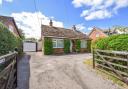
pixel 9 22
pixel 77 41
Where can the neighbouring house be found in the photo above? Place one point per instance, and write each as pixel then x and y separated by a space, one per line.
pixel 78 41
pixel 9 22
pixel 97 33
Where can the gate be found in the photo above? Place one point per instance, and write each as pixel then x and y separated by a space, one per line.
pixel 29 46
pixel 115 62
pixel 8 71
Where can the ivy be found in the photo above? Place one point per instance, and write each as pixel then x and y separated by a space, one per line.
pixel 66 46
pixel 78 45
pixel 48 46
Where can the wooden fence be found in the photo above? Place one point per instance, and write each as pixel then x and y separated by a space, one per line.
pixel 8 71
pixel 115 62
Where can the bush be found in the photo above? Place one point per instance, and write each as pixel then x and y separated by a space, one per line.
pixel 48 46
pixel 66 46
pixel 114 42
pixel 8 42
pixel 78 45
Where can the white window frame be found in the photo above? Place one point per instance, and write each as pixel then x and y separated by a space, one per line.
pixel 57 43
pixel 83 43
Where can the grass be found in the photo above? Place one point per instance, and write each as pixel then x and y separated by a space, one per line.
pixel 106 74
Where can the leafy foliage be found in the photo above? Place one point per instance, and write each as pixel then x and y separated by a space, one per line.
pixel 8 42
pixel 48 46
pixel 66 46
pixel 78 45
pixel 114 42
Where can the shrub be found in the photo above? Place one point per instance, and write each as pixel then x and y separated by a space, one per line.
pixel 8 42
pixel 78 45
pixel 66 46
pixel 48 46
pixel 114 42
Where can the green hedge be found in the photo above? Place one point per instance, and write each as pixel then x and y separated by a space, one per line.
pixel 48 46
pixel 114 42
pixel 66 46
pixel 78 45
pixel 117 43
pixel 8 42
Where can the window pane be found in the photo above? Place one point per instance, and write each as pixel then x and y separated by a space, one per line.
pixel 60 43
pixel 54 44
pixel 83 44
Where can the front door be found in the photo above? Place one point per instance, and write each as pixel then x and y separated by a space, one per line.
pixel 70 45
pixel 73 46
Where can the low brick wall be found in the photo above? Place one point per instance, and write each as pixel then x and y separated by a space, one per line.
pixel 58 51
pixel 82 50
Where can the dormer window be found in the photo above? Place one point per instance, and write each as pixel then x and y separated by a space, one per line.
pixel 11 29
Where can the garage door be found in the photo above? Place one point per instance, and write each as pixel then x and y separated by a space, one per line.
pixel 29 47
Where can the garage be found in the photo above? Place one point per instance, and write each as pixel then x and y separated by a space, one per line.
pixel 29 46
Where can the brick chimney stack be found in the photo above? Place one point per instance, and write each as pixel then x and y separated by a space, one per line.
pixel 51 23
pixel 74 27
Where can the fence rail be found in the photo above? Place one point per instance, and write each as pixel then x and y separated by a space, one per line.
pixel 8 71
pixel 112 61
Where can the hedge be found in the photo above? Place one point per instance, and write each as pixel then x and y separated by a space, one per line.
pixel 8 42
pixel 66 46
pixel 78 45
pixel 117 43
pixel 48 46
pixel 114 42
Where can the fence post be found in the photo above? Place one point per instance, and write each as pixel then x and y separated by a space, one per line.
pixel 16 65
pixel 93 58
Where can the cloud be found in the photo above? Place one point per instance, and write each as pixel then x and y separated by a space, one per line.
pixel 82 28
pixel 9 0
pixel 1 1
pixel 31 25
pixel 99 14
pixel 99 9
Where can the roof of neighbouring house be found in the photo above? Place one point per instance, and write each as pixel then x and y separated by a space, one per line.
pixel 4 19
pixel 51 31
pixel 97 29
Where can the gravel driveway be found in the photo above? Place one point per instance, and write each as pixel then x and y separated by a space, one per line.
pixel 64 72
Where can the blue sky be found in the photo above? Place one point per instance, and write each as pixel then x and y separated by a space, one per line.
pixel 85 14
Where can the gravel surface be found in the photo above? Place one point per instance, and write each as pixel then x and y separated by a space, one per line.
pixel 64 72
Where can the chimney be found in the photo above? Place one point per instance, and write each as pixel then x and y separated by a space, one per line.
pixel 74 28
pixel 51 23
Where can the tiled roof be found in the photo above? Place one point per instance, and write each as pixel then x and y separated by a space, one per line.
pixel 5 19
pixel 62 32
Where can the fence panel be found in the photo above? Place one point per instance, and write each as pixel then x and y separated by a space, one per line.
pixel 8 71
pixel 113 61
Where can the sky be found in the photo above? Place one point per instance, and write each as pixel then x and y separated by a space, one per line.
pixel 85 14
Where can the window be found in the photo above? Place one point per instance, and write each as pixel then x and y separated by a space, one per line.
pixel 83 44
pixel 58 43
pixel 97 35
pixel 10 28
